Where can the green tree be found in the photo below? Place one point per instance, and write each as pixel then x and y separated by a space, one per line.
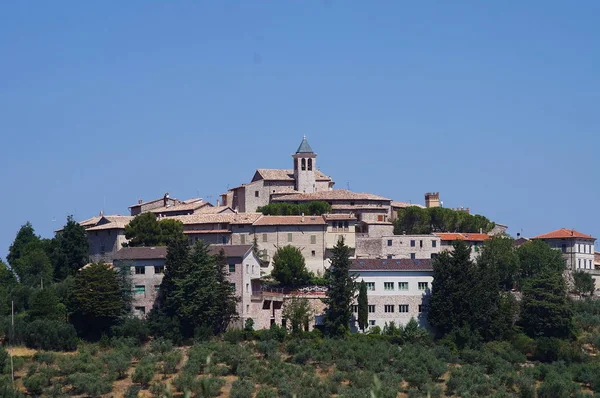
pixel 289 267
pixel 545 307
pixel 25 237
pixel 363 306
pixel 194 293
pixel 146 230
pixel 536 257
pixel 34 267
pixel 45 304
pixel 583 283
pixel 417 220
pixel 71 249
pixel 298 311
pixel 315 208
pixel 500 254
pixel 341 291
pixel 97 300
pixel 7 277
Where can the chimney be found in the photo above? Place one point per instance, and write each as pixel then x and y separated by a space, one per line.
pixel 302 217
pixel 165 199
pixel 140 201
pixel 480 230
pixel 518 235
pixel 218 202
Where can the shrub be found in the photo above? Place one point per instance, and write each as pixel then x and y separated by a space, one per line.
pixel 134 328
pixel 242 388
pixel 546 349
pixel 132 391
pixel 171 360
pixel 161 390
pixel 266 392
pixel 144 372
pixel 50 335
pixel 209 387
pixel 526 387
pixel 45 357
pixel 4 358
pixel 118 363
pixel 185 382
pixel 234 336
pixel 161 346
pixel 557 386
pixel 92 384
pixel 36 383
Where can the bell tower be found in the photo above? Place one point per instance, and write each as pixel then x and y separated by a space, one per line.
pixel 305 164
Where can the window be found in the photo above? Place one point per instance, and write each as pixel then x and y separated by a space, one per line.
pixel 413 256
pixel 412 243
pixel 421 244
pixel 564 248
pixel 355 309
pixel 102 249
pixel 371 309
pixel 265 239
pixel 247 287
pixel 256 194
pixel 247 269
pixel 579 264
pixel 313 253
pixel 141 310
pixel 231 268
pixel 380 218
pixel 289 236
pixel 388 308
pixel 159 269
pixel 389 256
pixel 140 289
pixel 388 285
pixel 247 308
pixel 372 322
pixel 433 243
pixel 351 203
pixel 303 162
pixel 313 239
pixel 403 308
pixel 309 164
pixel 232 286
pixel 370 285
pixel 156 288
pixel 420 307
pixel 402 285
pixel 140 270
pixel 389 242
pixel 423 285
pixel 242 239
pixel 224 240
pixel 434 255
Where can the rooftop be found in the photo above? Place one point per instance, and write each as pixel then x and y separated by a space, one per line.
pixel 230 250
pixel 403 205
pixel 290 220
pixel 375 264
pixel 110 222
pixel 304 147
pixel 222 218
pixel 283 175
pixel 142 253
pixel 192 206
pixel 471 237
pixel 335 194
pixel 564 233
pixel 339 217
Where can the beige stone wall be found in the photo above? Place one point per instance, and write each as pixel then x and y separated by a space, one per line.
pixel 379 230
pixel 403 246
pixel 104 244
pixel 149 279
pixel 334 234
pixel 367 247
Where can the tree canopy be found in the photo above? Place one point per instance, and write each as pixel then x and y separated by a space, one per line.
pixel 417 220
pixel 583 283
pixel 147 230
pixel 340 291
pixel 195 295
pixel 289 267
pixel 315 208
pixel 71 249
pixel 536 257
pixel 298 312
pixel 363 306
pixel 25 237
pixel 500 254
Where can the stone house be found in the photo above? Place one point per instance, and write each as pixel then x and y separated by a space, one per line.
pixel 143 207
pixel 474 240
pixel 397 290
pixel 577 248
pixel 106 235
pixel 415 247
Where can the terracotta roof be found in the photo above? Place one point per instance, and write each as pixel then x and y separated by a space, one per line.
pixel 335 194
pixel 230 250
pixel 290 220
pixel 222 218
pixel 141 253
pixel 339 217
pixel 213 210
pixel 471 237
pixel 206 231
pixel 180 207
pixel 564 233
pixel 286 175
pixel 114 222
pixel 90 221
pixel 153 201
pixel 361 208
pixel 404 205
pixel 375 264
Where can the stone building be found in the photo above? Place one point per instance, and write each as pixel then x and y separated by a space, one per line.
pixel 415 247
pixel 304 177
pixel 106 235
pixel 474 240
pixel 397 290
pixel 577 248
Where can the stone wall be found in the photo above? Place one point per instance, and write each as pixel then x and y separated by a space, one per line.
pixel 104 244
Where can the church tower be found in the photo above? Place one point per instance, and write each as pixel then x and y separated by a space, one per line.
pixel 305 164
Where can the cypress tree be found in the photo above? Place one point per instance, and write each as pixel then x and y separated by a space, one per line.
pixel 340 293
pixel 363 306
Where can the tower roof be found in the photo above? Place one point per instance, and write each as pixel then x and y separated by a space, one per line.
pixel 304 147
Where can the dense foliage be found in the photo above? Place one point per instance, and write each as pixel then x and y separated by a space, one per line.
pixel 363 306
pixel 146 230
pixel 417 220
pixel 315 208
pixel 289 267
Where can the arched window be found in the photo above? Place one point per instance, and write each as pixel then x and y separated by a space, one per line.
pixel 303 164
pixel 309 164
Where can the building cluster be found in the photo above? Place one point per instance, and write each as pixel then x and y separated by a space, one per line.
pixel 397 268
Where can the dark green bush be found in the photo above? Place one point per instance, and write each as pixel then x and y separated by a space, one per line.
pixel 547 349
pixel 234 336
pixel 134 328
pixel 161 346
pixel 118 363
pixel 242 388
pixel 265 392
pixel 133 391
pixel 144 372
pixel 92 384
pixel 171 360
pixel 4 358
pixel 36 383
pixel 45 357
pixel 50 335
pixel 209 387
pixel 557 386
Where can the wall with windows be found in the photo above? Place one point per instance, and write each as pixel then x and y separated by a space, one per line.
pixel 146 276
pixel 105 243
pixel 578 253
pixel 396 296
pixel 398 246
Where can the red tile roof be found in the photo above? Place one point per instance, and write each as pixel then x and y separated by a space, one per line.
pixel 290 220
pixel 375 264
pixel 471 237
pixel 564 233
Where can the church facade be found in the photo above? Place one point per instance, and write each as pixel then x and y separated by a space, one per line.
pixel 267 184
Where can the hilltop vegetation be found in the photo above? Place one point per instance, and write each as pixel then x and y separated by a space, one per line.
pixel 417 220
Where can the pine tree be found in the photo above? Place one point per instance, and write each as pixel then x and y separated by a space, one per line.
pixel 363 306
pixel 340 293
pixel 25 237
pixel 71 249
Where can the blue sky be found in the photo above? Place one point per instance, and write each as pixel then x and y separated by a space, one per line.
pixel 493 104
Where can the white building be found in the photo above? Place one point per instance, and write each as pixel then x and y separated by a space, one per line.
pixel 577 248
pixel 397 289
